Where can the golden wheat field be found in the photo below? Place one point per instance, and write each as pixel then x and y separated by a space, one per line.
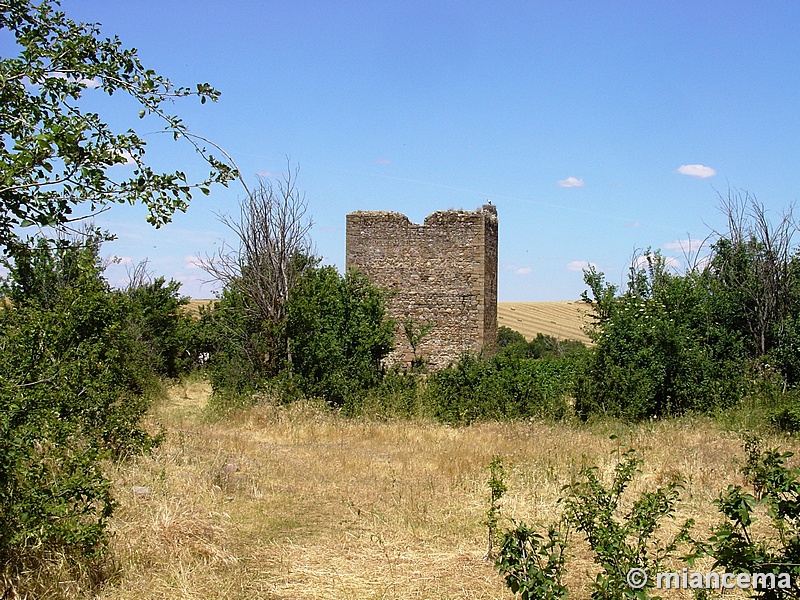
pixel 293 502
pixel 562 320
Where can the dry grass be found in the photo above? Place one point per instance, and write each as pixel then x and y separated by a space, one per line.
pixel 562 320
pixel 297 502
pixel 194 306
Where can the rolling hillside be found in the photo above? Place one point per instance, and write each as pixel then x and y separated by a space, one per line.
pixel 562 320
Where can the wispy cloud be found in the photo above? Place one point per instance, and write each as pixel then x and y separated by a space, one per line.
pixel 383 161
pixel 92 84
pixel 571 182
pixel 686 246
pixel 578 265
pixel 125 261
pixel 191 262
pixel 700 171
pixel 702 262
pixel 635 225
pixel 270 174
pixel 128 159
pixel 640 262
pixel 523 271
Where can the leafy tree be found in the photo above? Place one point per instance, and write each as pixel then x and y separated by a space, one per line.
pixel 659 348
pixel 159 321
pixel 415 333
pixel 239 348
pixel 54 155
pixel 509 337
pixel 754 271
pixel 77 357
pixel 339 333
pixel 512 342
pixel 73 392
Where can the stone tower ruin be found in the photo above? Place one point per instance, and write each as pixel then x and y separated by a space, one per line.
pixel 442 273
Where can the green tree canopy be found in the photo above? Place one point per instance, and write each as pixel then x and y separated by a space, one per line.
pixel 54 154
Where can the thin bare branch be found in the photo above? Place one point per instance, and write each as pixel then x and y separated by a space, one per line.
pixel 273 246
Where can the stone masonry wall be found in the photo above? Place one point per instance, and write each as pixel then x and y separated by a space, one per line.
pixel 442 272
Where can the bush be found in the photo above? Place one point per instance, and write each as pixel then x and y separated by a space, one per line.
pixel 510 342
pixel 239 360
pixel 160 323
pixel 338 333
pixel 504 387
pixel 75 386
pixel 776 494
pixel 659 348
pixel 398 395
pixel 334 339
pixel 620 539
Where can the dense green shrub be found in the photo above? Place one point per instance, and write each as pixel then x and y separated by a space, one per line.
pixel 504 387
pixel 712 338
pixel 338 333
pixel 333 342
pixel 160 322
pixel 399 394
pixel 236 347
pixel 659 347
pixel 507 337
pixel 75 386
pixel 510 342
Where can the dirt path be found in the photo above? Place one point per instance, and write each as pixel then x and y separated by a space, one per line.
pixel 297 502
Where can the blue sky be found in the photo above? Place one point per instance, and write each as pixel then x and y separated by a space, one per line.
pixel 597 128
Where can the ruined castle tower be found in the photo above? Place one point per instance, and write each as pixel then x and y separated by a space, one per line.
pixel 442 273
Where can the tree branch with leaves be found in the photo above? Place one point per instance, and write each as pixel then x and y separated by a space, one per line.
pixel 55 156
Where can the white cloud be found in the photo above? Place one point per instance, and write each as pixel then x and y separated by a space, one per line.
pixel 571 182
pixel 686 246
pixel 578 265
pixel 128 159
pixel 383 161
pixel 271 174
pixel 702 262
pixel 125 261
pixel 635 225
pixel 640 262
pixel 92 84
pixel 523 271
pixel 700 171
pixel 191 262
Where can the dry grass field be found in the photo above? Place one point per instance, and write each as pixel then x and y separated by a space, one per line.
pixel 298 502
